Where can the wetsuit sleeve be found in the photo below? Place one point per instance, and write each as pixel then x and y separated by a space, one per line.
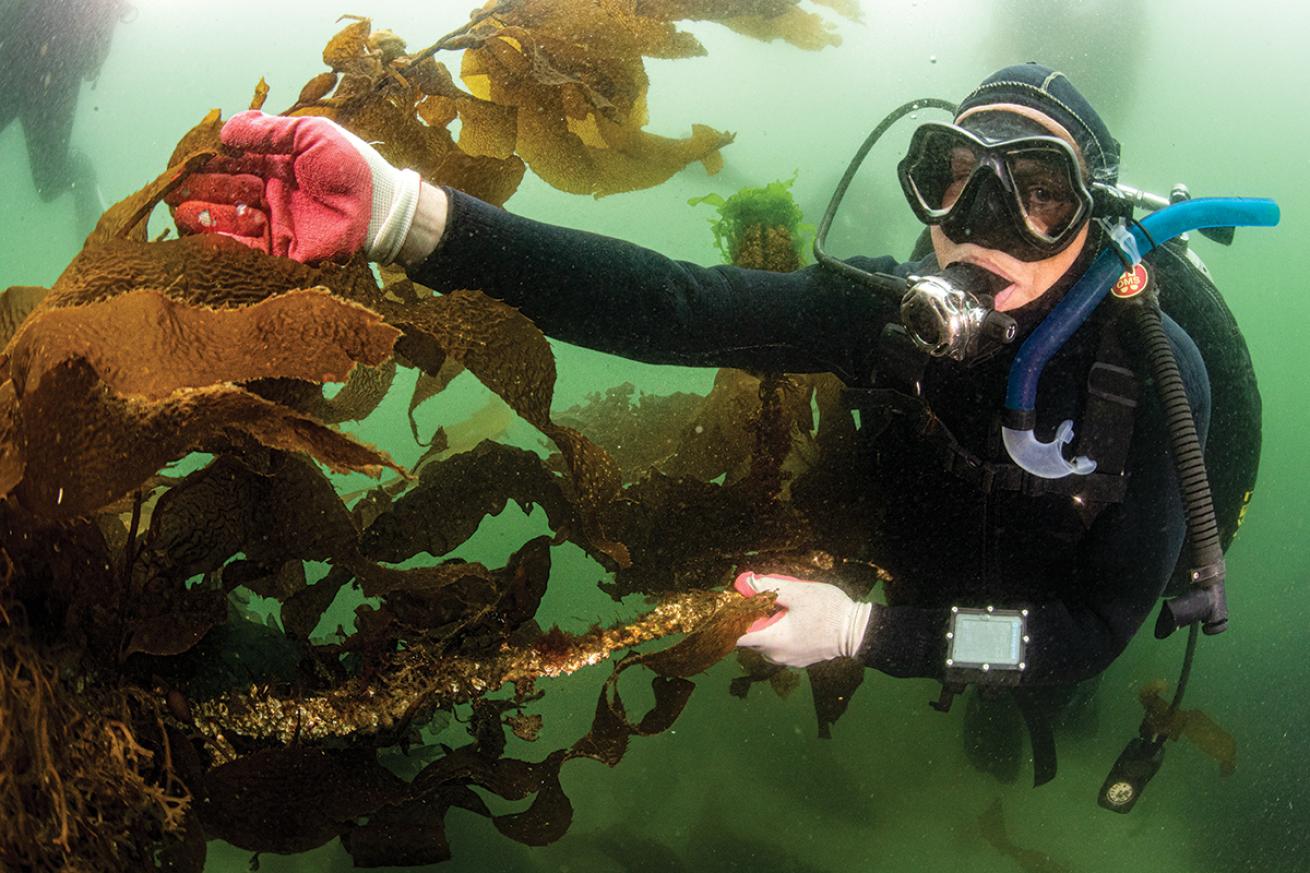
pixel 613 296
pixel 1120 573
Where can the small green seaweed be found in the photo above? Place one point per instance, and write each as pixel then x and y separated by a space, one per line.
pixel 770 207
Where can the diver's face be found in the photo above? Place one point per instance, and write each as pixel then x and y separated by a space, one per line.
pixel 1029 280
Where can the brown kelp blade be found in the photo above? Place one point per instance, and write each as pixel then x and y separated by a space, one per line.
pixel 16 304
pixel 127 218
pixel 84 446
pixel 511 356
pixel 303 334
pixel 207 270
pixel 293 800
pixel 1193 725
pixel 992 825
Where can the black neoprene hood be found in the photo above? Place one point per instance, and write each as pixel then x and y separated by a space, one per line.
pixel 1049 91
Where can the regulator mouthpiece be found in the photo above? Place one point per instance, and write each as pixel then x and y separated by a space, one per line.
pixel 950 315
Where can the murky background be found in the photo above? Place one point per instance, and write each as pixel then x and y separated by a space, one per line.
pixel 1211 94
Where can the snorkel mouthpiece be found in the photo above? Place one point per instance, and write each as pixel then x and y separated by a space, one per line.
pixel 1046 460
pixel 946 318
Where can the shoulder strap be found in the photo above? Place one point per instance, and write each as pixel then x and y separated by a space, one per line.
pixel 1109 415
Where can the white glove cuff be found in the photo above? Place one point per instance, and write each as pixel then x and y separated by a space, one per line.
pixel 395 200
pixel 857 623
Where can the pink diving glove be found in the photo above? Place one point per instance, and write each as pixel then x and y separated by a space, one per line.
pixel 304 188
pixel 817 622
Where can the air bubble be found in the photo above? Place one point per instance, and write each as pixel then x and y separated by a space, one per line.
pixel 932 59
pixel 242 209
pixel 205 219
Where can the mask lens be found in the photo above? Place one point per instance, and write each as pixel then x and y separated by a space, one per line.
pixel 938 167
pixel 1045 190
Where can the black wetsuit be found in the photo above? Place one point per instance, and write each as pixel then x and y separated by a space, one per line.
pixel 945 541
pixel 47 49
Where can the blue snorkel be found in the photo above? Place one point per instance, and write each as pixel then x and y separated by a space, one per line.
pixel 1046 459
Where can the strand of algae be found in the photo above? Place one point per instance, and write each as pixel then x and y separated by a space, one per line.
pixel 87 778
pixel 761 228
pixel 420 677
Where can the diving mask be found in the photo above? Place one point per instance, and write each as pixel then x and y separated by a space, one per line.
pixel 1022 195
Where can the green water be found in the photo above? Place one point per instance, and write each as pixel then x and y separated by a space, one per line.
pixel 1207 93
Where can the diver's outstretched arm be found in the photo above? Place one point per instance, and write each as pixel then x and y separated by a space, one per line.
pixel 308 189
pixel 614 296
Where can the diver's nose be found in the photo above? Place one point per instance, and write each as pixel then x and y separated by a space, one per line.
pixel 983 211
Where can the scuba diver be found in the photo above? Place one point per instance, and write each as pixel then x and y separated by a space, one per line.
pixel 47 49
pixel 1017 569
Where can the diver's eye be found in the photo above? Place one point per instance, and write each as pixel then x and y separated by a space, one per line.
pixel 1047 208
pixel 1037 196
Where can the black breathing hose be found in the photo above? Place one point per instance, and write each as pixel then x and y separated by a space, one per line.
pixel 1206 601
pixel 1203 606
pixel 878 281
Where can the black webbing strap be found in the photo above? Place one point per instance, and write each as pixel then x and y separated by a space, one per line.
pixel 1106 433
pixel 880 405
pixel 988 476
pixel 1039 734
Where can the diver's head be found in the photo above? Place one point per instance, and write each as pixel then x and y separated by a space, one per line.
pixel 1012 185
